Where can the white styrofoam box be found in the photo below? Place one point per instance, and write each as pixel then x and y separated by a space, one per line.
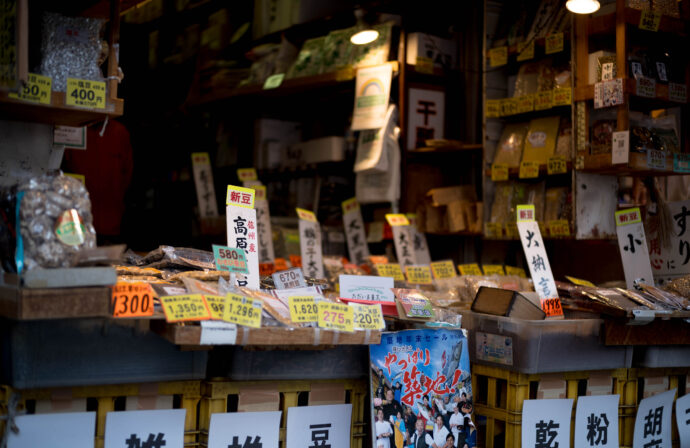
pixel 593 61
pixel 442 51
pixel 326 149
pixel 272 138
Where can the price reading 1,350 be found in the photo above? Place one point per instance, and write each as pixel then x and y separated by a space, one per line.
pixel 132 300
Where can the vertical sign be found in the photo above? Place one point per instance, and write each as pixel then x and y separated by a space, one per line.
pixel 63 430
pixel 244 429
pixel 633 247
pixel 242 229
pixel 203 181
pixel 372 90
pixel 546 423
pixel 421 249
pixel 596 421
pixel 354 232
pixel 538 261
pixel 426 117
pixel 653 421
pixel 403 237
pixel 145 428
pixel 263 223
pixel 683 419
pixel 310 244
pixel 673 261
pixel 319 426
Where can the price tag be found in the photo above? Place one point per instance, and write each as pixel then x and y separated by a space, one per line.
pixel 511 231
pixel 85 93
pixel 556 165
pixel 240 196
pixel 650 20
pixel 677 92
pixel 646 87
pixel 656 160
pixel 559 227
pixel 419 275
pixel 554 43
pixel 681 163
pixel 187 307
pixel 216 306
pixel 303 309
pixel 306 215
pixel 280 264
pixel 529 170
pixel 336 316
pixel 498 56
pixel 132 299
pixel 499 172
pixel 266 269
pixel 247 174
pixel 378 259
pixel 36 90
pixel 230 259
pixel 367 317
pixel 274 81
pixel 390 270
pixel 512 270
pixel 525 104
pixel 552 307
pixel 242 310
pixel 397 219
pixel 577 281
pixel 509 106
pixel 632 244
pixel 470 269
pixel 443 269
pixel 291 278
pixel 562 96
pixel 525 213
pixel 295 261
pixel 493 230
pixel 493 269
pixel 493 108
pixel 424 65
pixel 525 50
pixel 543 100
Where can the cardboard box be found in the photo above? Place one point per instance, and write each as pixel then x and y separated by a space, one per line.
pixel 504 302
pixel 446 195
pixel 443 52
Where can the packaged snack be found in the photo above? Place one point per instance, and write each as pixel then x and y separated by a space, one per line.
pixel 541 139
pixel 510 145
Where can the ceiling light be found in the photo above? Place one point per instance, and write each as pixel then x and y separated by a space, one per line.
pixel 582 6
pixel 364 37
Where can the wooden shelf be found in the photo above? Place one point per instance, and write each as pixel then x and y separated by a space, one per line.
pixel 606 23
pixel 585 93
pixel 446 149
pixel 514 172
pixel 538 43
pixel 463 233
pixel 636 166
pixel 57 112
pixel 54 303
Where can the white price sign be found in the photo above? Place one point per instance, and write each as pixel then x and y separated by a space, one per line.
pixel 653 421
pixel 62 430
pixel 319 426
pixel 310 248
pixel 596 421
pixel 241 225
pixel 546 423
pixel 145 428
pixel 683 419
pixel 244 429
pixel 292 278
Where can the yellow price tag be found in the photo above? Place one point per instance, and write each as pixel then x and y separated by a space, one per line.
pixel 306 215
pixel 187 307
pixel 493 269
pixel 470 269
pixel 556 165
pixel 36 90
pixel 499 172
pixel 554 43
pixel 525 213
pixel 559 227
pixel 303 309
pixel 424 65
pixel 216 306
pixel 397 219
pixel 443 269
pixel 543 100
pixel 350 205
pixel 243 310
pixel 562 96
pixel 526 50
pixel 367 317
pixel 498 56
pixel 493 108
pixel 509 106
pixel 419 275
pixel 511 230
pixel 390 270
pixel 274 81
pixel 493 230
pixel 247 174
pixel 525 104
pixel 529 170
pixel 85 93
pixel 336 316
pixel 260 192
pixel 512 270
pixel 200 158
pixel 580 282
pixel 240 196
pixel 650 20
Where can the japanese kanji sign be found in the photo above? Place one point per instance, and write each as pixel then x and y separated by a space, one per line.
pixel 674 260
pixel 683 419
pixel 203 181
pixel 263 222
pixel 354 232
pixel 319 426
pixel 62 430
pixel 310 245
pixel 242 232
pixel 365 287
pixel 404 239
pixel 596 421
pixel 240 196
pixel 633 247
pixel 244 430
pixel 150 429
pixel 546 423
pixel 653 421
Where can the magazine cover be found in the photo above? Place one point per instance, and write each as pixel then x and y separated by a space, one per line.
pixel 422 390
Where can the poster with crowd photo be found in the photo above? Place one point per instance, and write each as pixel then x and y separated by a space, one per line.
pixel 422 390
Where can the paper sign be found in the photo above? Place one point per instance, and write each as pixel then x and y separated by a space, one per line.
pixel 525 104
pixel 263 223
pixel 525 50
pixel 390 270
pixel 85 93
pixel 509 106
pixel 187 307
pixel 230 259
pixel 203 183
pixel 426 117
pixel 656 160
pixel 303 309
pixel 241 232
pixel 681 163
pixel 416 305
pixel 372 91
pixel 554 43
pixel 240 197
pixel 145 428
pixel 291 278
pixel 653 421
pixel 493 269
pixel 556 165
pixel 367 317
pixel 244 429
pixel 580 282
pixel 420 275
pixel 354 232
pixel 60 430
pixel 310 248
pixel 678 92
pixel 419 245
pixel 217 333
pixel 525 213
pixel 511 270
pixel 493 108
pixel 672 261
pixel 36 90
pixel 132 299
pixel 499 172
pixel 242 310
pixel 498 56
pixel 596 421
pixel 546 423
pixel 558 227
pixel 247 174
pixel 403 238
pixel 562 96
pixel 650 20
pixel 443 269
pixel 620 148
pixel 608 93
pixel 274 81
pixel 633 247
pixel 318 426
pixel 216 306
pixel 543 100
pixel 336 316
pixel 470 269
pixel 397 220
pixel 529 170
pixel 683 419
pixel 646 87
pixel 70 137
pixel 366 287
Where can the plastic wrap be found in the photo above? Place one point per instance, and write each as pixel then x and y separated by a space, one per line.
pixel 511 143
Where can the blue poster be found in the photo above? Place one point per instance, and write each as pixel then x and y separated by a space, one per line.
pixel 422 389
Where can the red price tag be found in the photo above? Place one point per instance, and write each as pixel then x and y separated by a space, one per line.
pixel 266 269
pixel 552 307
pixel 281 265
pixel 132 300
pixel 296 261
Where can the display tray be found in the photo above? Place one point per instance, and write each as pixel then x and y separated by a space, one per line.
pixel 666 331
pixel 54 303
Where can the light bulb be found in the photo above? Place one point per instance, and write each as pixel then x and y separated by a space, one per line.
pixel 582 6
pixel 364 37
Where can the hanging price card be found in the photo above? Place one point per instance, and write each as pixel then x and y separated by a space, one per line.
pixel 240 196
pixel 247 174
pixel 335 316
pixel 498 56
pixel 499 172
pixel 443 269
pixel 397 219
pixel 85 93
pixel 216 306
pixel 525 104
pixel 512 270
pixel 470 269
pixel 529 170
pixel 493 230
pixel 132 299
pixel 556 165
pixel 493 269
pixel 525 50
pixel 230 259
pixel 678 92
pixel 493 108
pixel 509 106
pixel 187 307
pixel 36 90
pixel 552 307
pixel 419 275
pixel 656 160
pixel 303 309
pixel 558 227
pixel 243 310
pixel 562 96
pixel 646 87
pixel 650 20
pixel 554 43
pixel 424 65
pixel 543 100
pixel 306 215
pixel 580 282
pixel 274 81
pixel 367 317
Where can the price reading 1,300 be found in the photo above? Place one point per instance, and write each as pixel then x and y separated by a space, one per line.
pixel 133 305
pixel 132 300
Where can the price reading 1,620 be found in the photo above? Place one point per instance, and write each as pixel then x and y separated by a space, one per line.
pixel 303 309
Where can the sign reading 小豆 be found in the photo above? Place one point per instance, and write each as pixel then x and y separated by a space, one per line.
pixel 132 299
pixel 596 421
pixel 186 307
pixel 85 93
pixel 36 90
pixel 372 92
pixel 390 270
pixel 653 421
pixel 354 232
pixel 318 426
pixel 241 231
pixel 525 50
pixel 244 429
pixel 498 56
pixel 159 428
pixel 418 274
pixel 230 259
pixel 310 244
pixel 290 278
pixel 336 316
pixel 554 43
pixel 683 419
pixel 620 147
pixel 365 287
pixel 242 310
pixel 633 247
pixel 367 317
pixel 303 309
pixel 470 269
pixel 546 423
pixel 66 429
pixel 263 224
pixel 499 172
pixel 443 269
pixel 203 181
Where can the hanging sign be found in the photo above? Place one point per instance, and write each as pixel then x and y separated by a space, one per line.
pixel 546 423
pixel 653 421
pixel 633 247
pixel 596 421
pixel 263 223
pixel 160 428
pixel 310 244
pixel 203 183
pixel 372 92
pixel 244 429
pixel 241 231
pixel 354 232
